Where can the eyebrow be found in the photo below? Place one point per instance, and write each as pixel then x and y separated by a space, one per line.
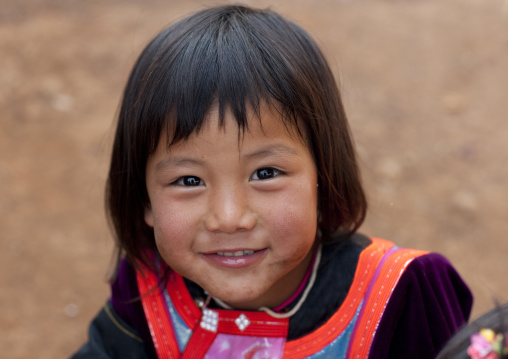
pixel 177 162
pixel 275 150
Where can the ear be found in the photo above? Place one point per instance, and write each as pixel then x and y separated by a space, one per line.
pixel 149 215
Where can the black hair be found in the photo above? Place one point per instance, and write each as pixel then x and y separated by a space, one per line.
pixel 237 58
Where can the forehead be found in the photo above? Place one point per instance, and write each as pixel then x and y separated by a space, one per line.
pixel 266 122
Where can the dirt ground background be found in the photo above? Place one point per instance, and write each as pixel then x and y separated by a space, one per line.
pixel 425 84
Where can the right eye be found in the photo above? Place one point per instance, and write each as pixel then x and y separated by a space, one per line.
pixel 188 181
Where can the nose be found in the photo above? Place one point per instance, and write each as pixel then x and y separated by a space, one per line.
pixel 229 211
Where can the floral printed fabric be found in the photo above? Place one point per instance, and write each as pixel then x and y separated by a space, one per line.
pixel 242 347
pixel 486 345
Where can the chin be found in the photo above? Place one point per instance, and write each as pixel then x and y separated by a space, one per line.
pixel 239 300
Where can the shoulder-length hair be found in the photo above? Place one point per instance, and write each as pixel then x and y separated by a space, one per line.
pixel 238 58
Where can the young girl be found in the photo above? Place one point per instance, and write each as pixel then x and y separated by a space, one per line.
pixel 235 196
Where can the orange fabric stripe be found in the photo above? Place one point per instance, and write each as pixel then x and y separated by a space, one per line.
pixel 182 300
pixel 386 279
pixel 159 323
pixel 321 337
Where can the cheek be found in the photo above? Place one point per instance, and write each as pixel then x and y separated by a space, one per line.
pixel 293 218
pixel 173 229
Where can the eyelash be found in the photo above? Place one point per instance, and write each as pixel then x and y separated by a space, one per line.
pixel 270 171
pixel 274 173
pixel 180 181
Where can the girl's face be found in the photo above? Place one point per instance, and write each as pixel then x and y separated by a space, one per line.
pixel 237 217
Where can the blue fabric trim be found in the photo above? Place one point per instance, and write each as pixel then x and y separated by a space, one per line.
pixel 182 331
pixel 338 348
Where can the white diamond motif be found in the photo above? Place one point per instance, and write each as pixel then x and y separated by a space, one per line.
pixel 210 320
pixel 242 322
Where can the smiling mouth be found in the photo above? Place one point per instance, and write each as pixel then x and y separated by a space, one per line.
pixel 236 254
pixel 236 259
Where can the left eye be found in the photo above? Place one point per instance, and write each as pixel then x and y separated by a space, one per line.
pixel 265 173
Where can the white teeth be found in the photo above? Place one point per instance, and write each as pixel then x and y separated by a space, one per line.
pixel 235 254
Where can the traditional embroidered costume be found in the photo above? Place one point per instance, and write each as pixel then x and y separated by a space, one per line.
pixel 370 299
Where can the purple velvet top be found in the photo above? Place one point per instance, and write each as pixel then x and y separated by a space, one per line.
pixel 428 305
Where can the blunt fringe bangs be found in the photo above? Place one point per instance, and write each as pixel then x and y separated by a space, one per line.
pixel 236 58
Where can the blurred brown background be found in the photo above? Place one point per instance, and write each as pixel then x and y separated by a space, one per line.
pixel 424 82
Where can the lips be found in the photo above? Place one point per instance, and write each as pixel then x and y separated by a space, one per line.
pixel 235 259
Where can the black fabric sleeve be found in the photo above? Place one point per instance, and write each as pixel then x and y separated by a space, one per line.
pixel 111 338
